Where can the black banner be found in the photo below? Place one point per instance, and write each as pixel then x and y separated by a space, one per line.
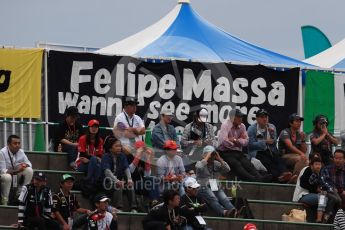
pixel 97 85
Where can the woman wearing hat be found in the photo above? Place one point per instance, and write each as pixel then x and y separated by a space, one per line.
pixel 90 147
pixel 321 140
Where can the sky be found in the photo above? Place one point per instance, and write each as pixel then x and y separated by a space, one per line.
pixel 272 24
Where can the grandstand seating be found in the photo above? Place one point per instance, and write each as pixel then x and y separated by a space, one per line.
pixel 267 201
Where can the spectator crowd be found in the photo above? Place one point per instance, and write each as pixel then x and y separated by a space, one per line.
pixel 176 180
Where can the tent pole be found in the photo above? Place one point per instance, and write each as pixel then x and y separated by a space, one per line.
pixel 300 95
pixel 46 99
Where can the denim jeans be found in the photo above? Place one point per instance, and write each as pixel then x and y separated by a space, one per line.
pixel 148 185
pixel 72 152
pixel 92 168
pixel 217 200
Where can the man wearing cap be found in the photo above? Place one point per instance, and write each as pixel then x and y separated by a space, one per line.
pixel 207 171
pixel 15 168
pixel 66 204
pixel 101 218
pixel 292 145
pixel 192 207
pixel 129 127
pixel 198 134
pixel 231 140
pixel 321 140
pixel 163 131
pixel 262 145
pixel 68 133
pixel 170 166
pixel 35 203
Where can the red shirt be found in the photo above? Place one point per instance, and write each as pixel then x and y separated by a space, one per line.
pixel 90 149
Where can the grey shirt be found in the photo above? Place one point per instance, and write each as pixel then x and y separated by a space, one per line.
pixel 204 172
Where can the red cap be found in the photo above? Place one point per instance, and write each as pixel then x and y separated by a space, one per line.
pixel 139 144
pixel 250 226
pixel 92 123
pixel 169 144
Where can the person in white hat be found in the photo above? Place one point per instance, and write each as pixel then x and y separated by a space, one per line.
pixel 192 207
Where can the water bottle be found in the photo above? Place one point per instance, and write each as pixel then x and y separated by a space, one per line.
pixel 59 149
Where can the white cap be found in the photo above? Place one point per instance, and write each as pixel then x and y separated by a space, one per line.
pixel 167 112
pixel 191 182
pixel 203 114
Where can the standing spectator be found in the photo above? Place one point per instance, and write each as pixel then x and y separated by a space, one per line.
pixel 170 166
pixel 321 140
pixel 163 131
pixel 263 146
pixel 165 216
pixel 192 207
pixel 66 204
pixel 197 135
pixel 15 168
pixel 90 152
pixel 232 139
pixel 140 167
pixel 312 190
pixel 117 175
pixel 207 171
pixel 335 173
pixel 129 127
pixel 35 203
pixel 68 133
pixel 101 218
pixel 292 145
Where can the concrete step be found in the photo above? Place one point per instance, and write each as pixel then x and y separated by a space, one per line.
pixel 48 160
pixel 133 221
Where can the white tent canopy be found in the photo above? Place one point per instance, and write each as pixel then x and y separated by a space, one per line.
pixel 333 57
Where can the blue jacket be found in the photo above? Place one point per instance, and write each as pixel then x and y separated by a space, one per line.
pixel 158 138
pixel 257 143
pixel 121 164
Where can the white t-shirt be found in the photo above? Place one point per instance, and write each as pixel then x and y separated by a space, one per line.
pixel 135 122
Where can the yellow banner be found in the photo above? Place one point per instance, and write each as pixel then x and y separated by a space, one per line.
pixel 20 83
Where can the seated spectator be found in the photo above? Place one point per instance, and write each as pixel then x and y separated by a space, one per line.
pixel 207 171
pixel 292 146
pixel 192 207
pixel 68 133
pixel 339 220
pixel 231 140
pixel 66 205
pixel 129 127
pixel 140 167
pixel 312 191
pixel 163 131
pixel 101 218
pixel 166 215
pixel 335 174
pixel 90 148
pixel 321 140
pixel 170 166
pixel 15 169
pixel 117 176
pixel 197 135
pixel 35 203
pixel 263 146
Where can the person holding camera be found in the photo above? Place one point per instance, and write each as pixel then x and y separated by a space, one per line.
pixel 321 140
pixel 262 145
pixel 207 171
pixel 117 177
pixel 15 169
pixel 197 135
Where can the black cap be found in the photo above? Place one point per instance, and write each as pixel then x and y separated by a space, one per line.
pixel 130 101
pixel 101 198
pixel 236 112
pixel 262 112
pixel 295 117
pixel 322 119
pixel 72 111
pixel 39 175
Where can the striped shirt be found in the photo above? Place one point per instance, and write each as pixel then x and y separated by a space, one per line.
pixel 34 202
pixel 339 220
